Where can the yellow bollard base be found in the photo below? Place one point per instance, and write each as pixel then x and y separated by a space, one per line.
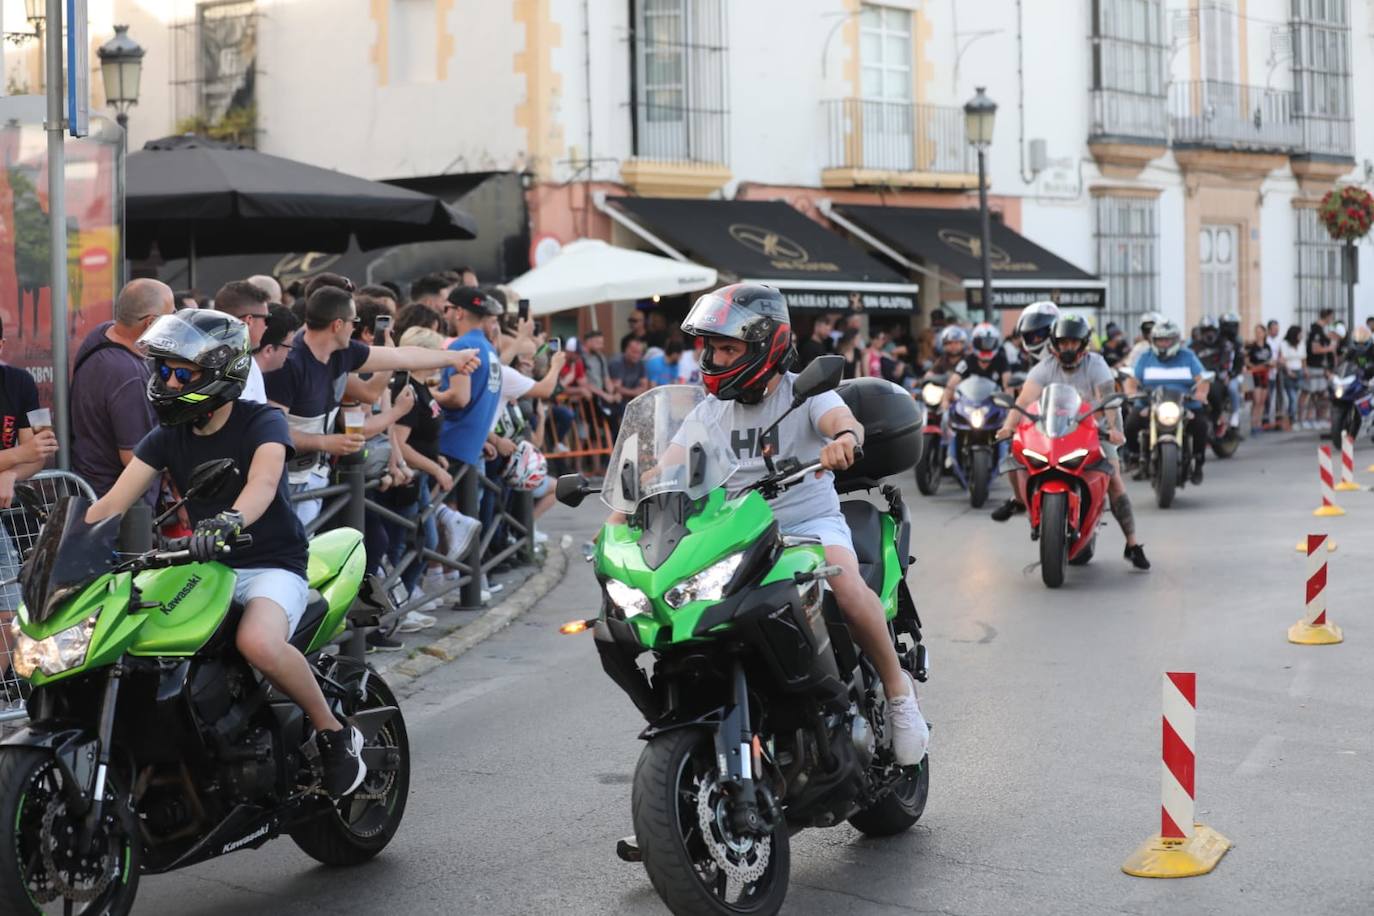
pixel 1161 858
pixel 1301 546
pixel 1370 469
pixel 1348 486
pixel 1328 634
pixel 1328 511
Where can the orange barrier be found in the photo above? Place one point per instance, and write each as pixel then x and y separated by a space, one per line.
pixel 588 437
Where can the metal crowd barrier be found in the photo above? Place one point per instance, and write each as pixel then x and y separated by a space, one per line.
pixel 18 533
pixel 349 500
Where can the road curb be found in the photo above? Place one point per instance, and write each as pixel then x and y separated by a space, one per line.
pixel 447 648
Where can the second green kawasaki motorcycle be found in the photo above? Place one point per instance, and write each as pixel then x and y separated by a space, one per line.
pixel 151 744
pixel 763 717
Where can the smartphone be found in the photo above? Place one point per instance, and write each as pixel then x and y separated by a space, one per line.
pixel 555 344
pixel 523 309
pixel 383 323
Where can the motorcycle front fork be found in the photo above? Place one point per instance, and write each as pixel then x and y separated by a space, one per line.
pixel 104 739
pixel 740 762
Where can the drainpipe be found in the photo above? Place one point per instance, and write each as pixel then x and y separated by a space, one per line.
pixel 1021 93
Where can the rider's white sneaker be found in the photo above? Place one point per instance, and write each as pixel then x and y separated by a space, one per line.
pixel 910 733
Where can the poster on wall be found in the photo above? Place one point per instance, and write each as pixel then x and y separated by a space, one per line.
pixel 93 241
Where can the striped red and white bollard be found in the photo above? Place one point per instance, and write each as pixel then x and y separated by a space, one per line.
pixel 1347 463
pixel 1183 847
pixel 1328 506
pixel 1315 629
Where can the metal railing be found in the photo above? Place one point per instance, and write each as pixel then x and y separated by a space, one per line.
pixel 1234 116
pixel 896 137
pixel 19 531
pixel 1129 114
pixel 1327 136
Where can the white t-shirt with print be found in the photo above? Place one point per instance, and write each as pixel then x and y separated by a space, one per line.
pixel 254 389
pixel 513 388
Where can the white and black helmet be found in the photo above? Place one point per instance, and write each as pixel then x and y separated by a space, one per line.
pixel 1166 339
pixel 1035 324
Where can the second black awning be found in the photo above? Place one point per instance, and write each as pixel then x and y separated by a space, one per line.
pixel 769 242
pixel 1022 271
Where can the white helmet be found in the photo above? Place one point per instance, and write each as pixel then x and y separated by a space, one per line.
pixel 526 468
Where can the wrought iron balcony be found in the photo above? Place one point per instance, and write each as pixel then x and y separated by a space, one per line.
pixel 896 137
pixel 1129 115
pixel 1327 136
pixel 1234 116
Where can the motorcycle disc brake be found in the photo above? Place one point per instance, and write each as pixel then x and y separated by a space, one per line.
pixel 97 874
pixel 729 854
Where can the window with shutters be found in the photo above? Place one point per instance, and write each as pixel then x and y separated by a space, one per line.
pixel 1129 54
pixel 1321 74
pixel 1128 257
pixel 680 98
pixel 1320 283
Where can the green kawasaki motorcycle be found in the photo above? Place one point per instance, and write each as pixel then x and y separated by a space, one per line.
pixel 763 717
pixel 151 744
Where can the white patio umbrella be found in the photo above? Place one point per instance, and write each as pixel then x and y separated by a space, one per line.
pixel 589 271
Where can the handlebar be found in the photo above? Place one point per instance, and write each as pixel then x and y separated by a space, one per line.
pixel 177 550
pixel 792 477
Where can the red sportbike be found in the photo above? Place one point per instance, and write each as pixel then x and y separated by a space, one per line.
pixel 1066 486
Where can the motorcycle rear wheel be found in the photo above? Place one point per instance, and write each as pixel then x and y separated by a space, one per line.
pixel 1166 474
pixel 30 785
pixel 930 466
pixel 355 828
pixel 672 770
pixel 980 477
pixel 1226 446
pixel 1054 538
pixel 898 810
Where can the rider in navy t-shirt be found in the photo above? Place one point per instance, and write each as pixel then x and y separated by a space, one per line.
pixel 470 402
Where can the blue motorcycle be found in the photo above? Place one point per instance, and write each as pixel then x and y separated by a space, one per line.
pixel 973 450
pixel 1351 401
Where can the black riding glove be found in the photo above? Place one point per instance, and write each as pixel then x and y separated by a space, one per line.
pixel 213 534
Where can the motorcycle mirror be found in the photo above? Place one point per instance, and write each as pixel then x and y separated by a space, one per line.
pixel 571 489
pixel 211 478
pixel 1003 400
pixel 824 374
pixel 32 501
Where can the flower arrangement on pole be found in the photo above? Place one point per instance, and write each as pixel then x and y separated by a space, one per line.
pixel 1347 213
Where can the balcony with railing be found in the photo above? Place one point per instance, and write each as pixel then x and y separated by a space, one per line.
pixel 1327 136
pixel 1129 116
pixel 1234 116
pixel 903 143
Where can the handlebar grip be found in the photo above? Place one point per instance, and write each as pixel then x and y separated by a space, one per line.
pixel 858 452
pixel 176 544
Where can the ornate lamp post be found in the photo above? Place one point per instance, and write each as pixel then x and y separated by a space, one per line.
pixel 979 113
pixel 121 67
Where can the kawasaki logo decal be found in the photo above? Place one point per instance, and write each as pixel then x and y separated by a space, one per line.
pixel 191 583
pixel 239 844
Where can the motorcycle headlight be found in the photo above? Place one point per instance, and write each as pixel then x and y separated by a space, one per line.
pixel 1168 413
pixel 1036 459
pixel 1074 458
pixel 977 417
pixel 707 585
pixel 628 599
pixel 59 652
pixel 932 394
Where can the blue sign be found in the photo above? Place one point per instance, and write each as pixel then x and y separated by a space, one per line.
pixel 78 69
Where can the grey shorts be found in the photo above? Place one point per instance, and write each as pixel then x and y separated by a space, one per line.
pixel 281 586
pixel 831 530
pixel 1314 381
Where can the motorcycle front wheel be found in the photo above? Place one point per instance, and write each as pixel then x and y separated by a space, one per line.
pixel 930 467
pixel 1054 538
pixel 356 827
pixel 694 860
pixel 979 477
pixel 1166 473
pixel 40 870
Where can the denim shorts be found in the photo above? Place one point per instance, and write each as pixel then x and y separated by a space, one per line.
pixel 830 529
pixel 281 586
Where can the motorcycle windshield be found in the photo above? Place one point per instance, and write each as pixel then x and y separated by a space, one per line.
pixel 667 444
pixel 1059 410
pixel 975 388
pixel 68 555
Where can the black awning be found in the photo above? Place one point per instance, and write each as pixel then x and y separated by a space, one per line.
pixel 770 242
pixel 1022 271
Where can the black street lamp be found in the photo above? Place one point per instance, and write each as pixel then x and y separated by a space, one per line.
pixel 121 66
pixel 979 113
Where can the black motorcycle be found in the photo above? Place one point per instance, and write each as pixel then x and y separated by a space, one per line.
pixel 930 460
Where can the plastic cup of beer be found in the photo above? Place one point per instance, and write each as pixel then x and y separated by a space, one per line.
pixel 40 419
pixel 353 421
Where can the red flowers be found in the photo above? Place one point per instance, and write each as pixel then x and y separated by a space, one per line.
pixel 1347 213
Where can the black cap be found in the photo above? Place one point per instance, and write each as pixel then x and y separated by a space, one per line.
pixel 474 300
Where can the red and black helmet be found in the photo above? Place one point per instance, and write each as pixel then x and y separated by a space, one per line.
pixel 748 312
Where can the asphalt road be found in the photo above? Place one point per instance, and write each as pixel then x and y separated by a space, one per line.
pixel 1045 756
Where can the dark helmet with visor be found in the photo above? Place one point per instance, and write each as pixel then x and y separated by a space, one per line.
pixel 216 344
pixel 1208 330
pixel 987 340
pixel 1069 340
pixel 1230 326
pixel 755 315
pixel 1035 324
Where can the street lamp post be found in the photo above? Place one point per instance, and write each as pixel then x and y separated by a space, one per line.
pixel 35 11
pixel 979 113
pixel 121 68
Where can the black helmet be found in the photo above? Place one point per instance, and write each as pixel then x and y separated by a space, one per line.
pixel 214 341
pixel 752 313
pixel 1230 326
pixel 1071 327
pixel 1208 330
pixel 1034 325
